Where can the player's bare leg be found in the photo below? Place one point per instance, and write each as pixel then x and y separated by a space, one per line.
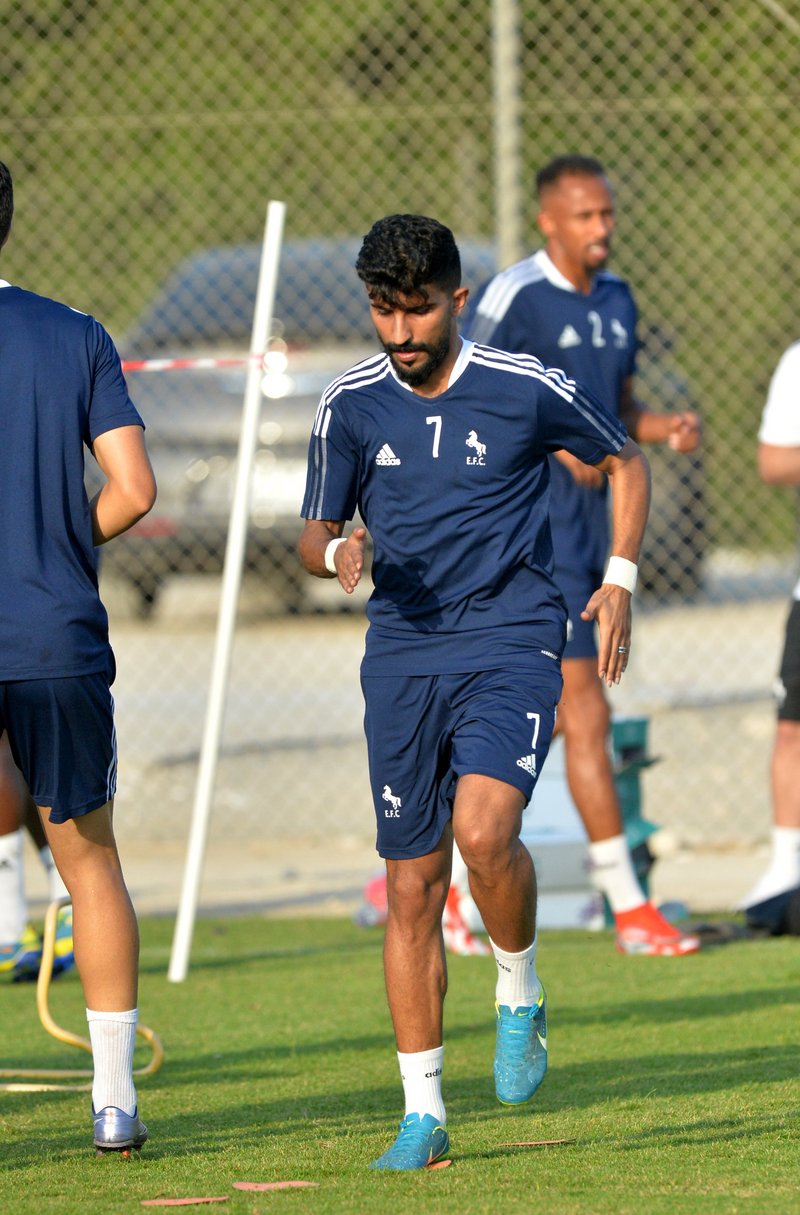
pixel 585 721
pixel 413 952
pixel 106 931
pixel 106 938
pixel 785 774
pixel 416 982
pixel 20 942
pixel 487 817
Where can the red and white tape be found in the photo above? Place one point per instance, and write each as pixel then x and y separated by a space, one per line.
pixel 204 363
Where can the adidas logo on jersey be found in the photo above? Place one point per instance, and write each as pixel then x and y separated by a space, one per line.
pixel 569 337
pixel 386 456
pixel 528 762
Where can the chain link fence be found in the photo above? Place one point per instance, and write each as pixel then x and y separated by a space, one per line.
pixel 145 141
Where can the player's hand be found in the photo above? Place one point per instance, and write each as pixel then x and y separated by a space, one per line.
pixel 685 431
pixel 349 559
pixel 610 607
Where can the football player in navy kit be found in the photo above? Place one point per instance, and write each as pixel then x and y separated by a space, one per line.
pixel 442 446
pixel 563 306
pixel 61 391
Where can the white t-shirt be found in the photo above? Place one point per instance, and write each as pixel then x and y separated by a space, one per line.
pixel 780 422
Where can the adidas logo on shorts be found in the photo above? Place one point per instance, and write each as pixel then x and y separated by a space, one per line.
pixel 386 456
pixel 528 762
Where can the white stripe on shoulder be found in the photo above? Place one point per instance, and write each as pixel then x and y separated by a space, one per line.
pixel 558 381
pixel 498 296
pixel 525 364
pixel 369 371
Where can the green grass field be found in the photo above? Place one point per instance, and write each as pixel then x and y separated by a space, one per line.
pixel 677 1080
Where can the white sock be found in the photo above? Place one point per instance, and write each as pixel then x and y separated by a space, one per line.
pixel 421 1073
pixel 613 874
pixel 13 904
pixel 517 982
pixel 57 888
pixel 113 1036
pixel 783 872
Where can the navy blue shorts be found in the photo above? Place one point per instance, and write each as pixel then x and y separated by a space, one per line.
pixel 577 587
pixel 425 731
pixel 63 741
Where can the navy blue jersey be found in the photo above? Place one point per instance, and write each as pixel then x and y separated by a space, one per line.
pixel 530 308
pixel 61 385
pixel 454 490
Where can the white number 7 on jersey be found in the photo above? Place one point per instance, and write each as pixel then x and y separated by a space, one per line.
pixel 535 718
pixel 437 421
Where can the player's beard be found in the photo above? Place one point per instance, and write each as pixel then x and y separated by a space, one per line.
pixel 437 352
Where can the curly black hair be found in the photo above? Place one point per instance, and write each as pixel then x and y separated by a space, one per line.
pixel 404 254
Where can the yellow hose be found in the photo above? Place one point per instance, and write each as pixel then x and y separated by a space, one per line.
pixel 66 1035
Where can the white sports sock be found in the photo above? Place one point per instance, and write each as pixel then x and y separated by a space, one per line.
pixel 13 904
pixel 612 873
pixel 57 888
pixel 113 1036
pixel 517 982
pixel 783 872
pixel 421 1073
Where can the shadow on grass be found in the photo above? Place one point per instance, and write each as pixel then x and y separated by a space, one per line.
pixel 748 1128
pixel 245 1126
pixel 680 1007
pixel 250 1127
pixel 154 960
pixel 707 1130
pixel 582 1086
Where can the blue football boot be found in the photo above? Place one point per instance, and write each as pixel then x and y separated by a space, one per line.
pixel 422 1141
pixel 520 1059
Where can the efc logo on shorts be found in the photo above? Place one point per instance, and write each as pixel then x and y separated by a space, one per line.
pixel 393 809
pixel 479 448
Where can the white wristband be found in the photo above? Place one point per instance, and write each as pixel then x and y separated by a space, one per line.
pixel 622 572
pixel 330 564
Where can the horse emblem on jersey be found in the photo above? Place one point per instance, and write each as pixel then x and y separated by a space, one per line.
pixel 394 802
pixel 479 448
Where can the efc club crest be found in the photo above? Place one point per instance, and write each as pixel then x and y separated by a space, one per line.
pixel 479 448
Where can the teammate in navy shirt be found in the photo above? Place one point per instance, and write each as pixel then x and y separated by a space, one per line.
pixel 62 391
pixel 562 305
pixel 442 445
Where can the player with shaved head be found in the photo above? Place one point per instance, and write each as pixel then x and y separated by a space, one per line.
pixel 562 305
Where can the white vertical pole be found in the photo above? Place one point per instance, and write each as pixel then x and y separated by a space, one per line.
pixel 231 580
pixel 507 77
